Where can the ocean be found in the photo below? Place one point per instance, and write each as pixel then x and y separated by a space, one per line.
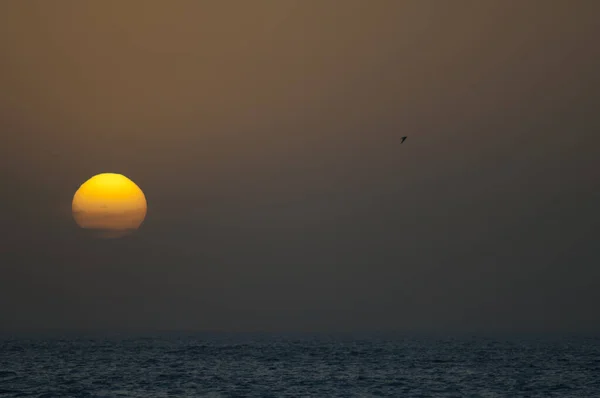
pixel 221 365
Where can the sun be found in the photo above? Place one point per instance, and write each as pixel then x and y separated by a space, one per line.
pixel 109 205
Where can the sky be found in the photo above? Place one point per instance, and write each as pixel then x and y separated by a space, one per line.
pixel 266 138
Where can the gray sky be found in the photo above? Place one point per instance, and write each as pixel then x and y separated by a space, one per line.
pixel 265 136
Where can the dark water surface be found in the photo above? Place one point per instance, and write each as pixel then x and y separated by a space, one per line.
pixel 279 366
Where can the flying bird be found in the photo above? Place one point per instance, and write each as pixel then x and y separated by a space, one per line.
pixel 403 138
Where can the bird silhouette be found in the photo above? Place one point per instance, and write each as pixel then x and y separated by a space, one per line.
pixel 403 138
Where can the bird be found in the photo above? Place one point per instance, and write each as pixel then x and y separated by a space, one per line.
pixel 403 138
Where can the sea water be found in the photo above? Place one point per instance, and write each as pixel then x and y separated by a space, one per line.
pixel 202 365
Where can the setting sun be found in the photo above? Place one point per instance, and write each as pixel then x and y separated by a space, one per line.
pixel 111 205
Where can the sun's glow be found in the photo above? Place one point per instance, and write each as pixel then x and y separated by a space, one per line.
pixel 110 204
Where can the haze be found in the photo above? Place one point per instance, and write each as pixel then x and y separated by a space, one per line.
pixel 266 135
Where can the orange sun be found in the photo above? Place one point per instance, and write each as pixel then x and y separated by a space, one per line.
pixel 109 205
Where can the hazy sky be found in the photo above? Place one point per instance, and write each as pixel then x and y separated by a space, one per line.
pixel 265 135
